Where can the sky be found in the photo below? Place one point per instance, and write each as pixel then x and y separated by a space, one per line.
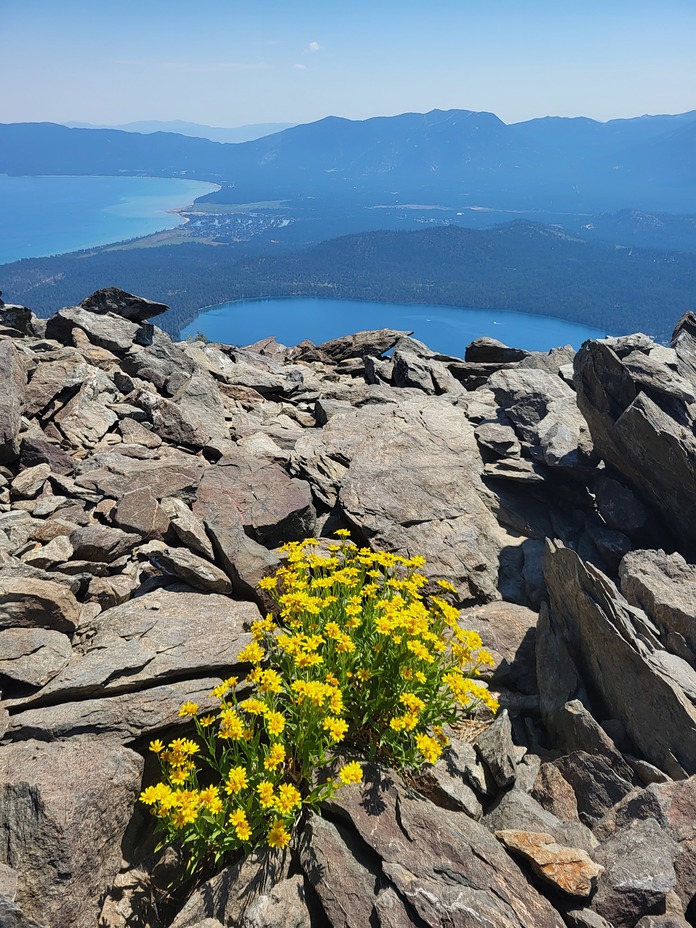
pixel 234 62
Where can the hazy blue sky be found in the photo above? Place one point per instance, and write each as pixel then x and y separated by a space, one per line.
pixel 229 62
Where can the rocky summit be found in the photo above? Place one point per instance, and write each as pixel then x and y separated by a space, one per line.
pixel 145 488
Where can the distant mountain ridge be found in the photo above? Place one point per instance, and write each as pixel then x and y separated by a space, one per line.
pixel 457 156
pixel 234 134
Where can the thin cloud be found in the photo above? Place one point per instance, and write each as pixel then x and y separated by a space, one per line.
pixel 300 67
pixel 192 67
pixel 313 47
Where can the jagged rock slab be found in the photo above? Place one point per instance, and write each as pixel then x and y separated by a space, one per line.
pixel 101 543
pixel 664 586
pixel 376 342
pixel 228 896
pixel 190 530
pixel 64 809
pixel 639 873
pixel 603 633
pixel 12 400
pixel 107 331
pixel 138 511
pixel 194 416
pixel 121 303
pixel 376 462
pixel 652 444
pixel 124 718
pixel 157 637
pixel 449 868
pixel 519 811
pixel 343 877
pixel 672 805
pixel 51 378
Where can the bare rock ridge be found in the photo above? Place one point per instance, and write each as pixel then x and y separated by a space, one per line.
pixel 145 487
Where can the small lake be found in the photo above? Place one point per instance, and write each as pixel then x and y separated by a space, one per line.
pixel 446 329
pixel 52 215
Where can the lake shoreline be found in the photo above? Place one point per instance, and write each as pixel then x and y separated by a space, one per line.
pixel 51 215
pixel 439 326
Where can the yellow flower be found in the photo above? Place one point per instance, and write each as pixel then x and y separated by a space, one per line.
pixel 266 795
pixel 253 653
pixel 254 706
pixel 342 533
pixel 206 721
pixel 270 681
pixel 419 649
pixel 446 585
pixel 336 728
pixel 188 708
pixel 429 747
pixel 288 798
pixel 275 723
pixel 239 821
pixel 275 756
pixel 220 691
pixel 231 725
pixel 154 794
pixel 351 773
pixel 209 799
pixel 237 780
pixel 267 583
pixel 278 835
pixel 156 746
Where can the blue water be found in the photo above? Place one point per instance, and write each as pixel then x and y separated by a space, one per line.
pixel 447 329
pixel 51 215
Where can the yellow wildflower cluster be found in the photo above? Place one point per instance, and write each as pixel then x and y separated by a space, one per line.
pixel 357 656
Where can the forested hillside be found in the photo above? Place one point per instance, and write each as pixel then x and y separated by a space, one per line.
pixel 519 266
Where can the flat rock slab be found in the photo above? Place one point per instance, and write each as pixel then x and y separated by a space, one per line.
pixel 174 474
pixel 26 602
pixel 509 633
pixel 170 633
pixel 123 718
pixel 260 496
pixel 64 809
pixel 138 511
pixel 101 543
pixel 570 870
pixel 408 475
pixel 32 655
pixel 191 569
pixel 449 869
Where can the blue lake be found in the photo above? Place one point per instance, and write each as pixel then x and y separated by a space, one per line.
pixel 447 329
pixel 51 215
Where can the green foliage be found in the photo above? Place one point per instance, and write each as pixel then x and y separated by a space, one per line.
pixel 357 661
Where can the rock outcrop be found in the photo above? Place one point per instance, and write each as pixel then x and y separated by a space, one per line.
pixel 145 488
